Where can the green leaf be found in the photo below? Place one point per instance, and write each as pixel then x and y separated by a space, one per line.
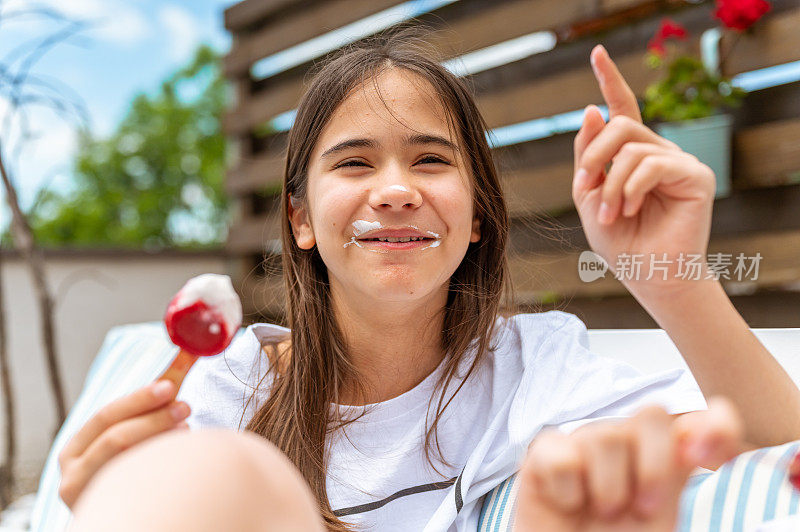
pixel 689 91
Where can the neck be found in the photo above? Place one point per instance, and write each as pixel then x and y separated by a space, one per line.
pixel 393 345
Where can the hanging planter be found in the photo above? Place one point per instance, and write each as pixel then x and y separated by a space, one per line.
pixel 689 106
pixel 708 139
pixel 691 101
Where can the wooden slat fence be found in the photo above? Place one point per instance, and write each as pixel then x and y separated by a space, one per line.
pixel 762 214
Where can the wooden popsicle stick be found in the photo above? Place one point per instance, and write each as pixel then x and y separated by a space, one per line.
pixel 177 371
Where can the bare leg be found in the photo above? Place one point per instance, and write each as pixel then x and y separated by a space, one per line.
pixel 206 480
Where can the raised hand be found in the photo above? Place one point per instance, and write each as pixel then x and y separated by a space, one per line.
pixel 654 199
pixel 621 476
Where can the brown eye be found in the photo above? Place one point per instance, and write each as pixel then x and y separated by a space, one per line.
pixel 351 163
pixel 428 159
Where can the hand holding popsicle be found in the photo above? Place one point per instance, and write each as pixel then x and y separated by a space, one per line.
pixel 201 319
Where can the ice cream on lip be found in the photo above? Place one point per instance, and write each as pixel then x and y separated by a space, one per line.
pixel 363 229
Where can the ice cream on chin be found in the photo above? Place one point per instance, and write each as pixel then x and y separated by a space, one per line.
pixel 201 319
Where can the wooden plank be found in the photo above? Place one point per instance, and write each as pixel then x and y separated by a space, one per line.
pixel 547 276
pixel 765 308
pixel 545 189
pixel 745 211
pixel 578 88
pixel 263 298
pixel 768 105
pixel 609 6
pixel 462 35
pixel 768 154
pixel 257 109
pixel 263 172
pixel 476 32
pixel 773 41
pixel 254 235
pixel 244 15
pixel 263 295
pixel 513 102
pixel 575 89
pixel 298 27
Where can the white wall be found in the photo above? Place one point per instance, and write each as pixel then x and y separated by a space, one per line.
pixel 93 292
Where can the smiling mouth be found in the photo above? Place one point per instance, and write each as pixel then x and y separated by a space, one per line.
pixel 387 244
pixel 399 239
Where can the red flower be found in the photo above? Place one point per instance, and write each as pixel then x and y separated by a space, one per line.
pixel 656 46
pixel 670 29
pixel 741 14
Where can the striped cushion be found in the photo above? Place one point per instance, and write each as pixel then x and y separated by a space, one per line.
pixel 751 489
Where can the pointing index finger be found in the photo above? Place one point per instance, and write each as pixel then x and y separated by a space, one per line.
pixel 616 92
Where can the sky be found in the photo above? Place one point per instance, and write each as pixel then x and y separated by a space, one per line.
pixel 128 47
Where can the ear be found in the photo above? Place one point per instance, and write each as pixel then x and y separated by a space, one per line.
pixel 301 225
pixel 476 229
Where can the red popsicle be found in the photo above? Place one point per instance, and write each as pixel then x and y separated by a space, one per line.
pixel 794 471
pixel 201 319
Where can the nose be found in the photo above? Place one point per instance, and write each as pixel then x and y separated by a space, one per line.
pixel 395 192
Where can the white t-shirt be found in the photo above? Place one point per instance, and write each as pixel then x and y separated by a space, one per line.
pixel 542 374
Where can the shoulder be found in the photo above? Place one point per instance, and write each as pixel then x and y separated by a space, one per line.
pixel 542 324
pixel 275 342
pixel 537 334
pixel 218 386
pixel 251 343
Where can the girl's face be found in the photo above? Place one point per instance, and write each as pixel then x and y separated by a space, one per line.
pixel 384 170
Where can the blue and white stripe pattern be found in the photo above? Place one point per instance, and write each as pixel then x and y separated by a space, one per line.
pixel 749 490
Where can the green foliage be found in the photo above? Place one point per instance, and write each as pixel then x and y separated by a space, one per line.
pixel 158 180
pixel 689 91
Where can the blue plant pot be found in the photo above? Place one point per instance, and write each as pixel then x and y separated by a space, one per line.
pixel 708 139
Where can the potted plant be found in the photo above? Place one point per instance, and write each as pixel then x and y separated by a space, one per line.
pixel 690 103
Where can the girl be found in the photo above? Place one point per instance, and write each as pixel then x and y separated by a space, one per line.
pixel 399 396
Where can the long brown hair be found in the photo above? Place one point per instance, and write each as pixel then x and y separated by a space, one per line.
pixel 296 414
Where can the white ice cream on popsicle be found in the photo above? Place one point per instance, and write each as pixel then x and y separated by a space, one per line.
pixel 201 319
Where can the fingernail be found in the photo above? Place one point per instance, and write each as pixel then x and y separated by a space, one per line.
pixel 179 411
pixel 604 214
pixel 162 388
pixel 568 487
pixel 698 452
pixel 608 512
pixel 648 503
pixel 627 208
pixel 581 178
pixel 597 72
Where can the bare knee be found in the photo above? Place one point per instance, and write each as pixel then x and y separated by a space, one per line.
pixel 212 479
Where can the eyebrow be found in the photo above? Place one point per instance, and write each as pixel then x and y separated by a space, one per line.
pixel 409 140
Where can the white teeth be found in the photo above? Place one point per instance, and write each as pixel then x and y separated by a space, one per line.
pixel 403 239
